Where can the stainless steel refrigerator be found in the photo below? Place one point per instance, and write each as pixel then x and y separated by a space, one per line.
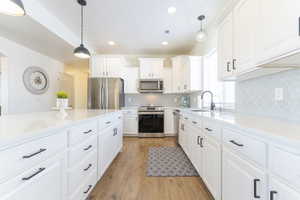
pixel 106 93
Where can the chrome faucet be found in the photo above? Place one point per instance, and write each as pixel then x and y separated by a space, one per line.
pixel 212 104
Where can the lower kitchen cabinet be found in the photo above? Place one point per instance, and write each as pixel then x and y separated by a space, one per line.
pixel 280 191
pixel 169 124
pixel 45 181
pixel 130 123
pixel 241 180
pixel 212 167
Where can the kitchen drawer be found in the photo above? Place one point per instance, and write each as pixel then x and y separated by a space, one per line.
pixel 285 164
pixel 211 128
pixel 84 189
pixel 78 152
pixel 80 171
pixel 106 121
pixel 245 145
pixel 23 157
pixel 82 132
pixel 196 122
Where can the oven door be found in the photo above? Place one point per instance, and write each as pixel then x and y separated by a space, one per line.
pixel 151 124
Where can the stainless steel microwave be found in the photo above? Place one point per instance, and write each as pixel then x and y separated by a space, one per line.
pixel 151 86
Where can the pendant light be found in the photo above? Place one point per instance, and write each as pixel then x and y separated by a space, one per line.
pixel 81 51
pixel 201 35
pixel 12 7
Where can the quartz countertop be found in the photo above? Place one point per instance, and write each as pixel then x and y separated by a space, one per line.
pixel 279 131
pixel 22 127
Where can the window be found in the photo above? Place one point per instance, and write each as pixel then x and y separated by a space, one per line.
pixel 224 92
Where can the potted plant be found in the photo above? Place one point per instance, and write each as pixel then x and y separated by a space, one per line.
pixel 62 100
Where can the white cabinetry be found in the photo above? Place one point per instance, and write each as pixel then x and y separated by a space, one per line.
pixel 102 66
pixel 280 191
pixel 130 123
pixel 241 180
pixel 151 68
pixel 131 77
pixel 168 80
pixel 187 72
pixel 169 125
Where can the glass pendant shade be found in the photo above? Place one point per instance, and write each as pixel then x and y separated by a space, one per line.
pixel 201 36
pixel 82 52
pixel 12 7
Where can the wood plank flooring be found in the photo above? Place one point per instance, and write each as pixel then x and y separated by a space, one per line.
pixel 126 178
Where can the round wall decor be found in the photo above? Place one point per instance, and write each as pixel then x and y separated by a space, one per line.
pixel 36 80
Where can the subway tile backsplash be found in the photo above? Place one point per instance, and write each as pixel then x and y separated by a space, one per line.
pixel 257 96
pixel 153 99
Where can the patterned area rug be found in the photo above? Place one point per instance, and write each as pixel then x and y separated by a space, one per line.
pixel 169 161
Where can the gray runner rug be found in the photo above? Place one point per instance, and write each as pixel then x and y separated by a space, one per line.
pixel 169 161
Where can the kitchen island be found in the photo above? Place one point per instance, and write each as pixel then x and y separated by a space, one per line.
pixel 45 156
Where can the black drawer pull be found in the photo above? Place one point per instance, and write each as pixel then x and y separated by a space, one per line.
pixel 194 122
pixel 115 132
pixel 107 122
pixel 34 154
pixel 201 142
pixel 90 186
pixel 87 132
pixel 33 175
pixel 88 167
pixel 255 181
pixel 198 140
pixel 208 129
pixel 235 143
pixel 272 195
pixel 88 148
pixel 186 118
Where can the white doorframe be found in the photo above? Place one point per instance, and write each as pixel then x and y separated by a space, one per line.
pixel 4 84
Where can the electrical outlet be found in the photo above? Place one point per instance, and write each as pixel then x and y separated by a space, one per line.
pixel 175 100
pixel 129 99
pixel 278 94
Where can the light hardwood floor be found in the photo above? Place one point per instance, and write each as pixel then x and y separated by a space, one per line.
pixel 126 178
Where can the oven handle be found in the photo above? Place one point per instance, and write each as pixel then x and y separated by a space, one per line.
pixel 150 113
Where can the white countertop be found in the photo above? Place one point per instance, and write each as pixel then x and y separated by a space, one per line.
pixel 268 128
pixel 22 127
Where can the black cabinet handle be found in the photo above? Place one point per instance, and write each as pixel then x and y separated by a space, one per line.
pixel 33 175
pixel 115 132
pixel 228 67
pixel 201 142
pixel 235 143
pixel 87 132
pixel 107 122
pixel 194 122
pixel 34 154
pixel 90 186
pixel 233 64
pixel 255 181
pixel 186 118
pixel 198 140
pixel 272 195
pixel 208 129
pixel 182 127
pixel 88 167
pixel 87 148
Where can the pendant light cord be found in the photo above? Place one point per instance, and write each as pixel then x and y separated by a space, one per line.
pixel 81 24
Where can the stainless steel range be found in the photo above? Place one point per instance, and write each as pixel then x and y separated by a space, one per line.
pixel 151 121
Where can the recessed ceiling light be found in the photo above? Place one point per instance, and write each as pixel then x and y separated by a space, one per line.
pixel 172 10
pixel 111 43
pixel 165 43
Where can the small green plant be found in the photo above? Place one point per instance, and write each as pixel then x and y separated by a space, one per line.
pixel 61 95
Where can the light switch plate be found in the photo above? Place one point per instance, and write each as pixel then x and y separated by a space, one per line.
pixel 278 94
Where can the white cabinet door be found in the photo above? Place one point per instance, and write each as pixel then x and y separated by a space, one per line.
pixel 46 182
pixel 183 135
pixel 157 69
pixel 241 180
pixel 245 26
pixel 167 77
pixel 113 67
pixel 279 27
pixel 280 191
pixel 225 48
pixel 131 76
pixel 98 66
pixel 151 68
pixel 212 167
pixel 130 124
pixel 145 70
pixel 169 125
pixel 195 74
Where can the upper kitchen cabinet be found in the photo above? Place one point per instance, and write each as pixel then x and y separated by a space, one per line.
pixel 279 29
pixel 151 68
pixel 225 48
pixel 130 76
pixel 102 66
pixel 258 37
pixel 187 72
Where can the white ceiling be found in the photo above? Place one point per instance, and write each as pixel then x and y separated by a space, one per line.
pixel 137 26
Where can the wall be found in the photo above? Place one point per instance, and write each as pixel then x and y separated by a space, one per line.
pixel 155 99
pixel 19 58
pixel 256 96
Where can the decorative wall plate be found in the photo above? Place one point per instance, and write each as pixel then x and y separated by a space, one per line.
pixel 36 80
